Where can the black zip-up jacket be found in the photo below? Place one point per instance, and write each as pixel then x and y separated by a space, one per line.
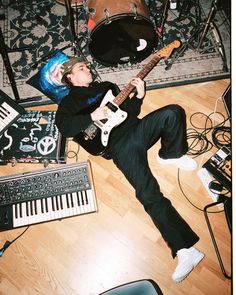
pixel 73 113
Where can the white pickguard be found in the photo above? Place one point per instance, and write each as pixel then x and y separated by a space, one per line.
pixel 114 119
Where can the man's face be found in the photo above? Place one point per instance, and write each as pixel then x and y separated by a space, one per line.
pixel 80 75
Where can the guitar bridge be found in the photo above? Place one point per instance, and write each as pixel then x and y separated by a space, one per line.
pixel 90 132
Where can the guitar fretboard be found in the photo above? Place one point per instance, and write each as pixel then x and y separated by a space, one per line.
pixel 143 73
pixel 164 52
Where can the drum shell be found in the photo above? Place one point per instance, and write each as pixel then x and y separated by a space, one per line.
pixel 104 28
pixel 115 8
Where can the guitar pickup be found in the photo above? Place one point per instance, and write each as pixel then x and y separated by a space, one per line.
pixel 112 107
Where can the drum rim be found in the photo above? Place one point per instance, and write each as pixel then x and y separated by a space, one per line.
pixel 117 16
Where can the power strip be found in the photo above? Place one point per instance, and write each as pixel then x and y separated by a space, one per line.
pixel 206 178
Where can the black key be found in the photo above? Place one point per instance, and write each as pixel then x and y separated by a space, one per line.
pixel 82 197
pixel 16 212
pixel 53 207
pixel 71 199
pixel 57 202
pixel 78 200
pixel 31 208
pixel 46 204
pixel 35 207
pixel 86 198
pixel 67 201
pixel 27 208
pixel 61 203
pixel 20 205
pixel 42 205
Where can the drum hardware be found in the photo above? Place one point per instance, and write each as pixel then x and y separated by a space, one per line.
pixel 4 50
pixel 164 16
pixel 2 15
pixel 91 11
pixel 135 10
pixel 197 36
pixel 46 57
pixel 186 7
pixel 71 24
pixel 107 16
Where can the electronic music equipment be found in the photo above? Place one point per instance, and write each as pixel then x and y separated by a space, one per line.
pixel 226 97
pixel 219 165
pixel 10 111
pixel 46 195
pixel 33 138
pixel 95 137
pixel 121 31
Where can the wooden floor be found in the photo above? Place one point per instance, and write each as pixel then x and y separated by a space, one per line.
pixel 88 254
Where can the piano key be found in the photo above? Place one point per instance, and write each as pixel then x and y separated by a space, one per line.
pixel 37 212
pixel 9 110
pixel 35 207
pixel 75 209
pixel 42 205
pixel 52 203
pixel 57 202
pixel 31 209
pixel 71 200
pixel 5 110
pixel 92 203
pixel 23 212
pixel 27 208
pixel 15 214
pixel 69 208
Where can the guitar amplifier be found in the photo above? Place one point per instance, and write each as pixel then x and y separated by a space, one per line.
pixel 33 138
pixel 219 165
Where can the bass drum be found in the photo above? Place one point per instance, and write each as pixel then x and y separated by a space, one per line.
pixel 120 31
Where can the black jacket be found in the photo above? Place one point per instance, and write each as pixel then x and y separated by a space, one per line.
pixel 73 113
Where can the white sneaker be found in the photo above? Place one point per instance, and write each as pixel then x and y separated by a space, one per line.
pixel 187 260
pixel 184 162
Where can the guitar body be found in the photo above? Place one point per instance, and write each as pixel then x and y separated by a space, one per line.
pixel 97 144
pixel 94 146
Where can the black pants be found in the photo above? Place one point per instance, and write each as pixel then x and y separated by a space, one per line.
pixel 130 155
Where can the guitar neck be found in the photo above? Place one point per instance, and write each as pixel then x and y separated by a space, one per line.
pixel 143 73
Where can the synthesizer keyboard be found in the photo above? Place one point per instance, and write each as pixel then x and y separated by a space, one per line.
pixel 45 195
pixel 10 111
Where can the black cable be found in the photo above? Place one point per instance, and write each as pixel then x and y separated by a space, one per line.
pixel 73 154
pixel 221 136
pixel 198 140
pixel 199 143
pixel 8 243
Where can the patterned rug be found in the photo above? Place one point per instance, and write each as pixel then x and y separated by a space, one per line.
pixel 41 27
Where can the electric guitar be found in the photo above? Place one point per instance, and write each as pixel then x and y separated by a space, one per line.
pixel 94 139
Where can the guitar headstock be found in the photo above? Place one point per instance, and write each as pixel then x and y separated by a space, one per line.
pixel 167 50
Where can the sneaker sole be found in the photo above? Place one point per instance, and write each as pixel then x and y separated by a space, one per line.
pixel 184 277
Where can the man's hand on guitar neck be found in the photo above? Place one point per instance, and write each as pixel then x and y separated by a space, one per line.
pixel 140 87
